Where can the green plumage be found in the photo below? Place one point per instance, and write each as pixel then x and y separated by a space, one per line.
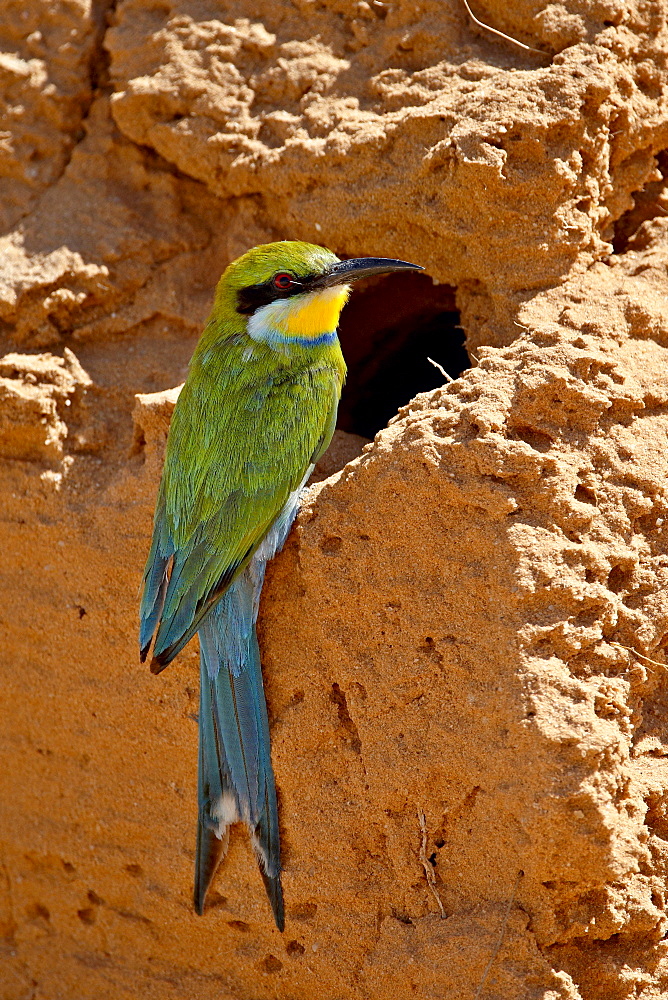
pixel 243 435
pixel 249 421
pixel 256 412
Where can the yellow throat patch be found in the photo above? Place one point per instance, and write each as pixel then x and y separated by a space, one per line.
pixel 306 316
pixel 316 313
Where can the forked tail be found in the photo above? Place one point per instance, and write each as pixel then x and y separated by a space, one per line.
pixel 236 780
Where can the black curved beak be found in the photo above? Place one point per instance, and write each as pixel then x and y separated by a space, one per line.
pixel 361 267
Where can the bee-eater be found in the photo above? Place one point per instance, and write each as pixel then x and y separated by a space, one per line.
pixel 257 411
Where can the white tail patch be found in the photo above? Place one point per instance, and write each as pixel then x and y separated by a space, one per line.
pixel 224 811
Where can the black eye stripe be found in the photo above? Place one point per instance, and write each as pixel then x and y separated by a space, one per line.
pixel 255 296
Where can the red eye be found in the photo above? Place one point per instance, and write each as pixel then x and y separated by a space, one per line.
pixel 283 280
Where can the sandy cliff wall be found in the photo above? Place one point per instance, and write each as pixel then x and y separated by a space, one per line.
pixel 464 637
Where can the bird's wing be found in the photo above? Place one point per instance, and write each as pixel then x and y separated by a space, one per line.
pixel 237 449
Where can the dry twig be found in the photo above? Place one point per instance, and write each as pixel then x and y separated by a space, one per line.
pixel 441 369
pixel 501 34
pixel 426 864
pixel 641 656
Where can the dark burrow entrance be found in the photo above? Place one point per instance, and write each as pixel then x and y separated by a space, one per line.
pixel 390 328
pixel 649 202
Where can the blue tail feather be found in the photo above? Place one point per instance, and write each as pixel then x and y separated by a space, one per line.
pixel 236 780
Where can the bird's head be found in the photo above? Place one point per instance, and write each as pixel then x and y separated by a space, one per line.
pixel 292 291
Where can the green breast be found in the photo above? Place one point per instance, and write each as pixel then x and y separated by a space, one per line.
pixel 247 424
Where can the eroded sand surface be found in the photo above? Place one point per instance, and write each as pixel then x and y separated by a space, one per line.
pixel 449 629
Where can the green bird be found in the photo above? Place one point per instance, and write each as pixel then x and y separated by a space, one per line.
pixel 257 411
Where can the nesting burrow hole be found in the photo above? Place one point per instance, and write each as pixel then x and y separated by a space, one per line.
pixel 649 202
pixel 389 329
